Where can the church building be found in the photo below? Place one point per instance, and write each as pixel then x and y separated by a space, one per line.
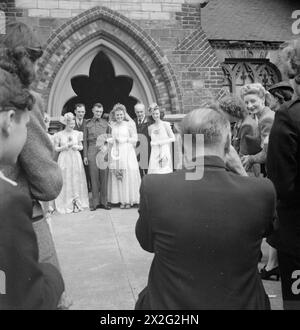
pixel 177 53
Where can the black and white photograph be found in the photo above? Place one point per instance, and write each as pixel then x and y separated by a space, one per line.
pixel 149 157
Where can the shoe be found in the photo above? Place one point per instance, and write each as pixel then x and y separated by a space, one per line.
pixel 105 207
pixel 93 208
pixel 122 206
pixel 267 274
pixel 127 206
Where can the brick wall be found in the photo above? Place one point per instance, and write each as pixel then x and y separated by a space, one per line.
pixel 146 9
pixel 10 10
pixel 174 26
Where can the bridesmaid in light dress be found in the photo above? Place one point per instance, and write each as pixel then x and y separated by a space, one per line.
pixel 161 142
pixel 74 194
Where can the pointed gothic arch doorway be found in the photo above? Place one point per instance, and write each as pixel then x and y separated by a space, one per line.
pixel 99 72
pixel 131 50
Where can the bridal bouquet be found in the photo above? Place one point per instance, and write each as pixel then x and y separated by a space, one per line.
pixel 118 173
pixel 115 156
pixel 162 160
pixel 70 141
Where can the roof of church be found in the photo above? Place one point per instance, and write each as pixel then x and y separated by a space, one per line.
pixel 263 20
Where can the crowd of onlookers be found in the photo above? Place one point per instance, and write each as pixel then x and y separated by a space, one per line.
pixel 204 222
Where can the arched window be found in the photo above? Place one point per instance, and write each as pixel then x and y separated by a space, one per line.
pixel 239 72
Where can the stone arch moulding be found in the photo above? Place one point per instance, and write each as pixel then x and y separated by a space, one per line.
pixel 79 63
pixel 105 29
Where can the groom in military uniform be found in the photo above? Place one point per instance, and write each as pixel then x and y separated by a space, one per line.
pixel 94 128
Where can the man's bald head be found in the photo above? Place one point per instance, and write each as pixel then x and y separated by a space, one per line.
pixel 212 124
pixel 139 109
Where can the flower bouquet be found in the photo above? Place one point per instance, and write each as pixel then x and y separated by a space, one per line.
pixel 119 174
pixel 70 142
pixel 162 160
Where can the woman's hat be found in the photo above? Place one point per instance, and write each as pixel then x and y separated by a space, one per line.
pixel 19 34
pixel 281 85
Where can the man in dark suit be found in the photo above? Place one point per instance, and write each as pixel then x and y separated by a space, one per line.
pixel 205 225
pixel 283 168
pixel 80 123
pixel 28 283
pixel 142 123
pixel 79 117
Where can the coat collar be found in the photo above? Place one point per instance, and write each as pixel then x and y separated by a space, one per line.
pixel 292 102
pixel 96 119
pixel 208 161
pixel 78 123
pixel 143 121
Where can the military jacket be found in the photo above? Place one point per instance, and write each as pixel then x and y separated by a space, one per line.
pixel 92 130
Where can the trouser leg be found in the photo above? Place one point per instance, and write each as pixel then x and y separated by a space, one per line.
pixel 95 178
pixel 88 179
pixel 103 186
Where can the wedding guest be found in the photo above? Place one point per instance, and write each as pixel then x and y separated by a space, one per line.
pixel 28 283
pixel 245 135
pixel 49 207
pixel 162 137
pixel 282 92
pixel 205 257
pixel 124 176
pixel 79 117
pixel 283 167
pixel 36 172
pixel 80 123
pixel 94 128
pixel 74 194
pixel 143 148
pixel 257 100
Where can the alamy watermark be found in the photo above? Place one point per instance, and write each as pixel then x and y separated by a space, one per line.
pixel 2 22
pixel 296 284
pixel 187 152
pixel 296 23
pixel 2 282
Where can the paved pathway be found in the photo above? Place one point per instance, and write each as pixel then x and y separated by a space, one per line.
pixel 103 265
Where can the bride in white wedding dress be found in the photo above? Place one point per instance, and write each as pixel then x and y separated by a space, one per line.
pixel 124 176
